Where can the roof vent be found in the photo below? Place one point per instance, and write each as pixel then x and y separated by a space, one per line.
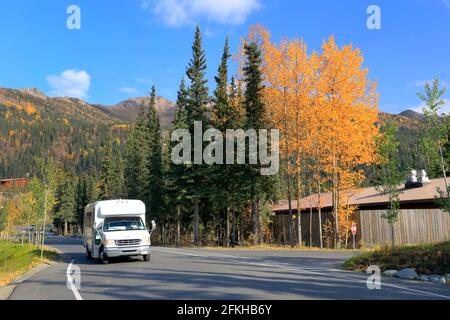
pixel 423 177
pixel 412 182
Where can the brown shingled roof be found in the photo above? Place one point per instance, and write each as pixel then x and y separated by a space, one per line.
pixel 369 196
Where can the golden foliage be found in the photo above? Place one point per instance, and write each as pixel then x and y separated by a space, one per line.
pixel 325 108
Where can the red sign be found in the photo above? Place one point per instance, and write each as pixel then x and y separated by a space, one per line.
pixel 354 228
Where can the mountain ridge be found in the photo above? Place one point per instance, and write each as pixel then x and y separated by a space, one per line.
pixel 74 131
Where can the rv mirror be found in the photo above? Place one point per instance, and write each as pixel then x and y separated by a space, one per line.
pixel 153 226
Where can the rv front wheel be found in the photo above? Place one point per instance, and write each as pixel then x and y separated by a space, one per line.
pixel 146 257
pixel 103 258
pixel 88 254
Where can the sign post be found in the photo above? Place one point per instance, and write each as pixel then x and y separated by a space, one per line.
pixel 354 230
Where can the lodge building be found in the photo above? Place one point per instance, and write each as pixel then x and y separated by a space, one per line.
pixel 420 219
pixel 13 183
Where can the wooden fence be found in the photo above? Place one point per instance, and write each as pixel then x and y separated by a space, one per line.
pixel 413 227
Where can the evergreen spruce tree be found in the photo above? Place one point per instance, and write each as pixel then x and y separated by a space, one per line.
pixel 155 189
pixel 198 97
pixel 65 207
pixel 85 194
pixel 196 110
pixel 177 186
pixel 106 171
pixel 111 182
pixel 136 153
pixel 257 186
pixel 224 190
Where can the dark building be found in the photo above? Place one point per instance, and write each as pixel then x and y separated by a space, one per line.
pixel 13 183
pixel 420 218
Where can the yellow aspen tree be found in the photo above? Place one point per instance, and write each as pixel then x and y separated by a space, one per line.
pixel 349 104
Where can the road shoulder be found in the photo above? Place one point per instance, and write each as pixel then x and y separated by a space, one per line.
pixel 7 291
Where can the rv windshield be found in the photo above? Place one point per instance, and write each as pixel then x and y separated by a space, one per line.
pixel 123 224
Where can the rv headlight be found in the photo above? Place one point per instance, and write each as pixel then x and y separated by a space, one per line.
pixel 146 241
pixel 109 243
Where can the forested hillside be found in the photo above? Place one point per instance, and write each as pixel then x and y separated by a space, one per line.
pixel 71 131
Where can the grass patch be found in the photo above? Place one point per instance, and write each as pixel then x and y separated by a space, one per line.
pixel 16 259
pixel 425 259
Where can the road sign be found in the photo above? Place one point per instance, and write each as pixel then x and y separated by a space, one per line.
pixel 354 228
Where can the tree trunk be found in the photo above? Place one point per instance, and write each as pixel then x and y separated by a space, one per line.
pixel 310 216
pixel 299 212
pixel 319 207
pixel 392 236
pixel 445 176
pixel 196 222
pixel 66 228
pixel 233 236
pixel 43 228
pixel 336 218
pixel 227 233
pixel 256 218
pixel 163 232
pixel 178 236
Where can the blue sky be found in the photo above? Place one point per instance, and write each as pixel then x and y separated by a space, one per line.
pixel 125 46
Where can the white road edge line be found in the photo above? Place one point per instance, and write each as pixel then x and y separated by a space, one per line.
pixel 281 266
pixel 71 283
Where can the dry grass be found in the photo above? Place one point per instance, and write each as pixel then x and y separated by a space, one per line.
pixel 16 259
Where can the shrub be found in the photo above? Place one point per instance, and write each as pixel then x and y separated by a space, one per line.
pixel 425 259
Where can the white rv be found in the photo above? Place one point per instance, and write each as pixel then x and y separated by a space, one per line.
pixel 116 228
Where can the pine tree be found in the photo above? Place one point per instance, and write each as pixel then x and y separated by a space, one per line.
pixel 257 186
pixel 85 194
pixel 225 196
pixel 177 174
pixel 198 98
pixel 65 208
pixel 136 153
pixel 196 110
pixel 111 182
pixel 222 112
pixel 155 187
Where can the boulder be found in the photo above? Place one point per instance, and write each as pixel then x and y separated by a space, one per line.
pixel 389 273
pixel 437 279
pixel 424 278
pixel 407 274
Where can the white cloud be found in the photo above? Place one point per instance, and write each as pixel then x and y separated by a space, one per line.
pixel 444 109
pixel 129 90
pixel 70 83
pixel 182 12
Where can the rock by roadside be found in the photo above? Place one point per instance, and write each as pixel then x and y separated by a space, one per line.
pixel 410 274
pixel 389 273
pixel 407 274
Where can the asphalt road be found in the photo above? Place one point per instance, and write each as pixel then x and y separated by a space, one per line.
pixel 176 273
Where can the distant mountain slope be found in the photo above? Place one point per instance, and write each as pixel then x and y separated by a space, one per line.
pixel 127 110
pixel 412 115
pixel 74 131
pixel 70 130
